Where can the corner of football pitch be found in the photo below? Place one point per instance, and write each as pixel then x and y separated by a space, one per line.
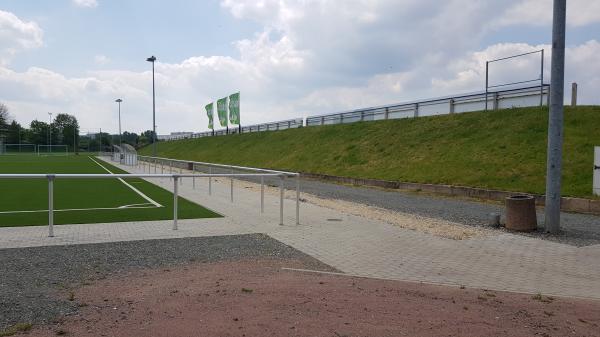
pixel 24 201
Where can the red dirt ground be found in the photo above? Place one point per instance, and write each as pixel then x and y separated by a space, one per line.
pixel 258 298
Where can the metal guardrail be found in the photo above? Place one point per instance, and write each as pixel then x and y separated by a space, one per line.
pixel 437 106
pixel 270 126
pixel 177 179
pixel 148 163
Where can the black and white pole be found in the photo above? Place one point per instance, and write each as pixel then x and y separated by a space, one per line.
pixel 555 119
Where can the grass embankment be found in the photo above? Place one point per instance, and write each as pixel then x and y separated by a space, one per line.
pixel 503 150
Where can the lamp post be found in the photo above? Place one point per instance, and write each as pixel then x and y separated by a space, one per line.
pixel 118 100
pixel 50 130
pixel 153 59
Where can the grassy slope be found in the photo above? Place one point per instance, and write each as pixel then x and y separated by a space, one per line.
pixel 30 194
pixel 501 150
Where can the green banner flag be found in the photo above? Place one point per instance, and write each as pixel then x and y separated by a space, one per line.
pixel 222 111
pixel 209 113
pixel 234 108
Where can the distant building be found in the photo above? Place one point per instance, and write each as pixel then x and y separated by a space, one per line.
pixel 175 135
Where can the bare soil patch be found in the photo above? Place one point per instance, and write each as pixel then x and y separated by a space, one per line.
pixel 256 297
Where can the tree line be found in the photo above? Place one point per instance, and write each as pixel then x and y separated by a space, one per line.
pixel 64 130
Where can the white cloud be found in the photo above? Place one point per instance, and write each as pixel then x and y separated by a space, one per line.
pixel 539 12
pixel 85 3
pixel 17 35
pixel 101 60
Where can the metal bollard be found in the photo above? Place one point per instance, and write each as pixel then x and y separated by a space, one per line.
pixel 298 199
pixel 209 181
pixel 281 191
pixel 175 197
pixel 262 194
pixel 50 205
pixel 231 181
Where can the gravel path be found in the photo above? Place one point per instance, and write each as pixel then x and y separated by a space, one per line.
pixel 578 229
pixel 35 282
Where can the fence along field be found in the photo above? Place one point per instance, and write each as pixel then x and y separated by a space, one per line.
pixel 24 202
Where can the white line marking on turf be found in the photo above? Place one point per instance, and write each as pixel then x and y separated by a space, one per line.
pixel 79 209
pixel 128 185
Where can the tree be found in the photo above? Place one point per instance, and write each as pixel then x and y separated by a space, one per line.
pixel 4 115
pixel 67 130
pixel 38 132
pixel 14 133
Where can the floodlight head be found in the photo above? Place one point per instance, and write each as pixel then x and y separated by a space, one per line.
pixel 151 59
pixel 118 100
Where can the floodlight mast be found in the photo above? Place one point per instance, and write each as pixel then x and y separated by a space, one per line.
pixel 50 129
pixel 153 59
pixel 555 119
pixel 118 100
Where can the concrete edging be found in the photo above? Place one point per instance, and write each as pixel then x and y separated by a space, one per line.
pixel 579 205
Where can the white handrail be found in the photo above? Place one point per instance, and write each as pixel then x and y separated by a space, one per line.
pixel 176 177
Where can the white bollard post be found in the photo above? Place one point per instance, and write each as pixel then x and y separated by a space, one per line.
pixel 50 205
pixel 281 191
pixel 231 182
pixel 209 181
pixel 262 194
pixel 175 193
pixel 298 199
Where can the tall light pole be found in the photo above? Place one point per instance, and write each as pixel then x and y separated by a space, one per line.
pixel 555 119
pixel 153 59
pixel 50 130
pixel 118 100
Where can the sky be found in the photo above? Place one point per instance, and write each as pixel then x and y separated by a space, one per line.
pixel 288 59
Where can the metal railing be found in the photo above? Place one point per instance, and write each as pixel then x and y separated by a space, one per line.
pixel 177 179
pixel 528 96
pixel 154 164
pixel 270 126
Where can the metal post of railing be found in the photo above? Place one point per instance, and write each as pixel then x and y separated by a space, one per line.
pixel 298 199
pixel 262 194
pixel 50 205
pixel 181 172
pixel 154 165
pixel 162 166
pixel 451 103
pixel 193 178
pixel 281 191
pixel 231 181
pixel 210 181
pixel 170 166
pixel 175 197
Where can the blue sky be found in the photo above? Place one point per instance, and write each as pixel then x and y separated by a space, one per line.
pixel 287 58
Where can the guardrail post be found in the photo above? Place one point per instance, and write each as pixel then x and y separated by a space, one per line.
pixel 162 166
pixel 362 116
pixel 181 172
pixel 322 120
pixel 496 101
pixel 154 165
pixel 51 205
pixel 193 178
pixel 451 102
pixel 175 197
pixel 210 181
pixel 281 191
pixel 231 181
pixel 262 194
pixel 387 113
pixel 416 109
pixel 298 199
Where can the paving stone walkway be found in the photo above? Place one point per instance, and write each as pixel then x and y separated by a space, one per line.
pixel 357 245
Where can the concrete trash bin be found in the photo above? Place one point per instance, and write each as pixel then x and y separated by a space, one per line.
pixel 520 213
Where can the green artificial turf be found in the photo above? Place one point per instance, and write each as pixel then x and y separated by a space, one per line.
pixel 503 149
pixel 85 194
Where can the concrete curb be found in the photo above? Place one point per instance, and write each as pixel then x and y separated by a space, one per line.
pixel 578 205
